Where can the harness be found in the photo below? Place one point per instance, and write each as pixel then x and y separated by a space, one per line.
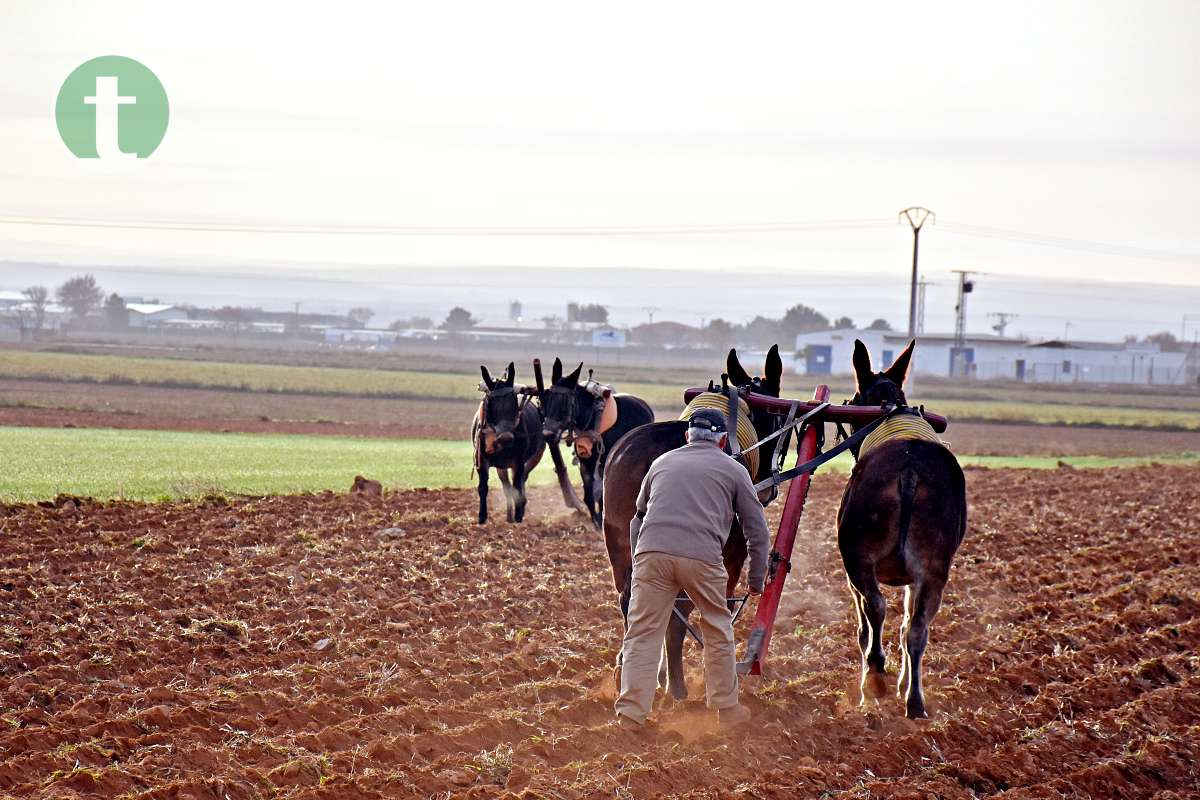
pixel 906 424
pixel 587 439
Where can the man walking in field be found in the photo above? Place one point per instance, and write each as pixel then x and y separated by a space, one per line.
pixel 684 511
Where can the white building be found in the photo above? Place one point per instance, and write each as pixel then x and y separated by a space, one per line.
pixel 992 357
pixel 153 315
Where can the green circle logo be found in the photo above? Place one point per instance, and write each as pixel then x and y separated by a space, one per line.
pixel 111 107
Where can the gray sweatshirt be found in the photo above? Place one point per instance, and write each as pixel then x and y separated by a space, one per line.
pixel 688 500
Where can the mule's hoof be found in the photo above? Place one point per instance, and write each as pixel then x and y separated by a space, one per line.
pixel 874 685
pixel 916 712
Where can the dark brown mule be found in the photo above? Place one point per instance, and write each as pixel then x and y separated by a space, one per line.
pixel 569 408
pixel 902 517
pixel 507 436
pixel 628 463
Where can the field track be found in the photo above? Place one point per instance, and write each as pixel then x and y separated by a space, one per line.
pixel 328 646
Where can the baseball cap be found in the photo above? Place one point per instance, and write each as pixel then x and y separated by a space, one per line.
pixel 709 419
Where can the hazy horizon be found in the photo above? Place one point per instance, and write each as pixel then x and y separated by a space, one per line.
pixel 1096 310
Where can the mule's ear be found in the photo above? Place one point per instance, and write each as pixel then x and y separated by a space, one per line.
pixel 556 372
pixel 733 368
pixel 862 366
pixel 487 377
pixel 511 373
pixel 898 371
pixel 574 376
pixel 774 366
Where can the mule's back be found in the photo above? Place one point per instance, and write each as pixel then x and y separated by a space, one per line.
pixel 905 509
pixel 628 462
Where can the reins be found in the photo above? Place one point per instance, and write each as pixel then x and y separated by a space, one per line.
pixel 850 442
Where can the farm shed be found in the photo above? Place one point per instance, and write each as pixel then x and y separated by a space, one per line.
pixel 153 315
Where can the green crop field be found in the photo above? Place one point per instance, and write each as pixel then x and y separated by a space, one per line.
pixel 148 465
pixel 152 465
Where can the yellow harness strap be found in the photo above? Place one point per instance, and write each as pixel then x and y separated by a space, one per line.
pixel 746 434
pixel 901 426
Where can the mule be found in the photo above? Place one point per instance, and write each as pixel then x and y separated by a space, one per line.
pixel 570 408
pixel 627 466
pixel 507 437
pixel 902 517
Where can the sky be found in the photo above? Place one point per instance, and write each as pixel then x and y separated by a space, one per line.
pixel 558 133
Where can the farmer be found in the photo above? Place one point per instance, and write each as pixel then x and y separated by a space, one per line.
pixel 684 511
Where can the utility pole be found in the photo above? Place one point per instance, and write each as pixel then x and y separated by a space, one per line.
pixel 1066 332
pixel 1183 326
pixel 921 304
pixel 959 365
pixel 1002 319
pixel 650 313
pixel 965 287
pixel 916 216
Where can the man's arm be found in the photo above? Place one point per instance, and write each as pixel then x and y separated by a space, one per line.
pixel 639 511
pixel 754 526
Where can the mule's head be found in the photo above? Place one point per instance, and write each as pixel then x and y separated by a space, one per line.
pixel 769 384
pixel 561 403
pixel 500 403
pixel 880 388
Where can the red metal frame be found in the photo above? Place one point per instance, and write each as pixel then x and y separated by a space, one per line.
pixel 793 506
pixel 785 539
pixel 847 414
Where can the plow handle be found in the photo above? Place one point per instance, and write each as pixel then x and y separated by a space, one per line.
pixel 537 377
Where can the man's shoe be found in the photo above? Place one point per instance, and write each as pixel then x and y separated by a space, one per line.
pixel 729 718
pixel 629 724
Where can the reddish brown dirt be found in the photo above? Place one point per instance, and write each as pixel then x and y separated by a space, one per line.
pixel 329 646
pixel 983 439
pixel 54 403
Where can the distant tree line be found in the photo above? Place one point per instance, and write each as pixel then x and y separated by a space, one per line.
pixel 765 331
pixel 1166 341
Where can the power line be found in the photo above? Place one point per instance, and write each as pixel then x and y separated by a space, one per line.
pixel 448 230
pixel 1046 240
pixel 780 227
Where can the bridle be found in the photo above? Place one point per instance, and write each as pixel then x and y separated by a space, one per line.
pixel 501 391
pixel 570 395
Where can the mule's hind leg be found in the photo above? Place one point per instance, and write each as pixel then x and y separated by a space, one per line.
pixel 587 473
pixel 598 491
pixel 927 597
pixel 905 624
pixel 518 478
pixel 871 607
pixel 673 662
pixel 508 493
pixel 483 493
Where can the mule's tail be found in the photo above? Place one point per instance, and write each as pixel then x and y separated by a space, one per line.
pixel 908 489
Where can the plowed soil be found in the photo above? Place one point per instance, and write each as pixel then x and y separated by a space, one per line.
pixel 332 646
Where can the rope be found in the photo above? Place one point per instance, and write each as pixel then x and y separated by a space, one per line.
pixel 746 435
pixel 900 426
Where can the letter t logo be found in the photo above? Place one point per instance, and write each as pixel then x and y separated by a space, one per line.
pixel 107 99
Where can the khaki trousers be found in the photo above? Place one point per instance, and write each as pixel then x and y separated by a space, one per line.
pixel 657 579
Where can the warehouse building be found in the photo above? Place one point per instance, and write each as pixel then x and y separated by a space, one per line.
pixel 986 357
